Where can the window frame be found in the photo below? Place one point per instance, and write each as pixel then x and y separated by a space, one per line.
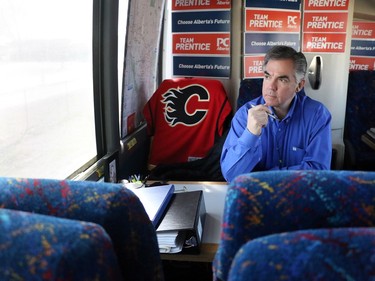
pixel 105 89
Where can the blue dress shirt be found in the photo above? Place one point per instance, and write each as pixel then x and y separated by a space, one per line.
pixel 300 141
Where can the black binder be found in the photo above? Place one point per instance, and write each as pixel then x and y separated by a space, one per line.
pixel 186 212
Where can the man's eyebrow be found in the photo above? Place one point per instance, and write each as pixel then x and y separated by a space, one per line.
pixel 279 77
pixel 283 77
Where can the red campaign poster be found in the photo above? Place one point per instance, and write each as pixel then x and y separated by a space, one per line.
pixel 253 67
pixel 201 43
pixel 363 30
pixel 324 42
pixel 130 124
pixel 362 63
pixel 272 20
pixel 200 5
pixel 325 22
pixel 327 5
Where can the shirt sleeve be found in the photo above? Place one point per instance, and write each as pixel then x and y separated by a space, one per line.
pixel 241 150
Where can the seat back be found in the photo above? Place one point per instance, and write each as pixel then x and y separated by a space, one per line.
pixel 320 254
pixel 184 117
pixel 113 207
pixel 263 203
pixel 251 89
pixel 360 116
pixel 39 247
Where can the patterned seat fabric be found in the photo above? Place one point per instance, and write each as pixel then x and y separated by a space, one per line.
pixel 360 116
pixel 113 207
pixel 38 247
pixel 263 203
pixel 324 254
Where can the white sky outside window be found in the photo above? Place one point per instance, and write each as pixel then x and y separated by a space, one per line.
pixel 122 24
pixel 47 125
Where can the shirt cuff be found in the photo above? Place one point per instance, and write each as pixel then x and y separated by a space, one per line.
pixel 248 139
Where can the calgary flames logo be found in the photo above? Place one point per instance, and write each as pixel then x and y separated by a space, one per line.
pixel 176 103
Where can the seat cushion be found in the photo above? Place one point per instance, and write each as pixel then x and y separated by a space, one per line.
pixel 323 254
pixel 39 247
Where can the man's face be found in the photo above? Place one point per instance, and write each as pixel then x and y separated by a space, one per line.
pixel 279 83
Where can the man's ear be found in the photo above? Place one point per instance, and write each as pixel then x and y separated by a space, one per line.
pixel 300 85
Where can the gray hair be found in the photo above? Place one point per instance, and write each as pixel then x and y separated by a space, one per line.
pixel 285 52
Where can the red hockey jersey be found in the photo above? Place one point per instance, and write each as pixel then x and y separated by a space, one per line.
pixel 184 115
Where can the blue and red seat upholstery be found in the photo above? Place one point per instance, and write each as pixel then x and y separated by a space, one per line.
pixel 116 209
pixel 39 247
pixel 265 203
pixel 315 254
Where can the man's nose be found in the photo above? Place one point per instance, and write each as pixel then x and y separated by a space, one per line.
pixel 272 85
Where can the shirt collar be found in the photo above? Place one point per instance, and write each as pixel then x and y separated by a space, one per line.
pixel 291 109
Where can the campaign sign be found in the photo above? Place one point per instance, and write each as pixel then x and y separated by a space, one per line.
pixel 277 4
pixel 362 63
pixel 260 43
pixel 271 20
pixel 200 4
pixel 208 21
pixel 363 30
pixel 328 5
pixel 363 48
pixel 201 66
pixel 325 22
pixel 324 42
pixel 253 67
pixel 201 43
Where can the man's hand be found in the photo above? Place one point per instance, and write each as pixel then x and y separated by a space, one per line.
pixel 257 118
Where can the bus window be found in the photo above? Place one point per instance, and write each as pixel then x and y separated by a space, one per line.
pixel 47 126
pixel 122 24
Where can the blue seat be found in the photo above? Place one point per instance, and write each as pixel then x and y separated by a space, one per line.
pixel 263 203
pixel 113 207
pixel 319 254
pixel 251 89
pixel 39 247
pixel 360 116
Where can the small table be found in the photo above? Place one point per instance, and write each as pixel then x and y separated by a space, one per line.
pixel 214 197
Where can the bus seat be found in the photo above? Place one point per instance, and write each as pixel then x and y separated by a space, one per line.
pixel 359 117
pixel 185 118
pixel 39 247
pixel 315 254
pixel 115 208
pixel 264 203
pixel 251 89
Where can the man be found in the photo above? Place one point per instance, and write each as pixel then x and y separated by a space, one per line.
pixel 281 129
